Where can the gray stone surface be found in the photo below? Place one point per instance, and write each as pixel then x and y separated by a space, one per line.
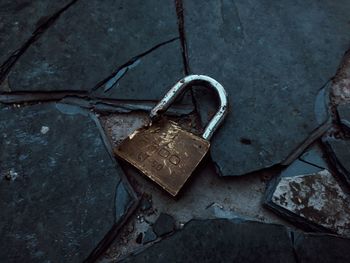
pixel 316 248
pixel 93 39
pixel 19 19
pixel 149 77
pixel 314 156
pixel 272 57
pixel 339 152
pixel 164 224
pixel 60 188
pixel 222 241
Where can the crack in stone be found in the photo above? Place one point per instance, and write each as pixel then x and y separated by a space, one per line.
pixel 181 28
pixel 6 67
pixel 35 97
pixel 312 164
pixel 315 134
pixel 120 222
pixel 112 80
pixel 120 74
pixel 91 102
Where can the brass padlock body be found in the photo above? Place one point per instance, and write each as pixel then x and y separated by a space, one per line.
pixel 165 153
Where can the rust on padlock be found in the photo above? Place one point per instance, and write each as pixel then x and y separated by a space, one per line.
pixel 165 153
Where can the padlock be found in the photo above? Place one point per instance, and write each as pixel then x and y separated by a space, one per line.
pixel 165 152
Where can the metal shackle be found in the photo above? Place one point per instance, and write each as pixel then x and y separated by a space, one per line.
pixel 181 86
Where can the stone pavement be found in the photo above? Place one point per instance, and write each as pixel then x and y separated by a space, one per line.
pixel 77 77
pixel 235 241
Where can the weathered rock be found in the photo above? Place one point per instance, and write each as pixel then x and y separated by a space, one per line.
pixel 317 198
pixel 272 57
pixel 222 241
pixel 340 92
pixel 315 248
pixel 164 224
pixel 308 195
pixel 20 18
pixel 92 40
pixel 60 188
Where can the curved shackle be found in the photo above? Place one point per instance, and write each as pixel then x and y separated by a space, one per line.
pixel 181 86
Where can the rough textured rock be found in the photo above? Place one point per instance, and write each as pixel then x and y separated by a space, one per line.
pixel 19 19
pixel 272 57
pixel 307 194
pixel 164 224
pixel 340 92
pixel 222 241
pixel 317 198
pixel 60 188
pixel 315 248
pixel 93 39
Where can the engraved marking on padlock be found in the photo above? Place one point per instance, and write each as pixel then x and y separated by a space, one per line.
pixel 174 159
pixel 163 151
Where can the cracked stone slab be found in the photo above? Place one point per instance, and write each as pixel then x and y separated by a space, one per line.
pixel 20 18
pixel 134 43
pixel 321 248
pixel 149 77
pixel 62 191
pixel 273 58
pixel 307 194
pixel 339 151
pixel 221 241
pixel 317 198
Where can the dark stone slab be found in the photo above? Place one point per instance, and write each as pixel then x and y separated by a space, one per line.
pixel 339 151
pixel 222 241
pixel 314 156
pixel 315 248
pixel 149 77
pixel 164 224
pixel 134 42
pixel 60 188
pixel 307 194
pixel 273 57
pixel 19 19
pixel 344 114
